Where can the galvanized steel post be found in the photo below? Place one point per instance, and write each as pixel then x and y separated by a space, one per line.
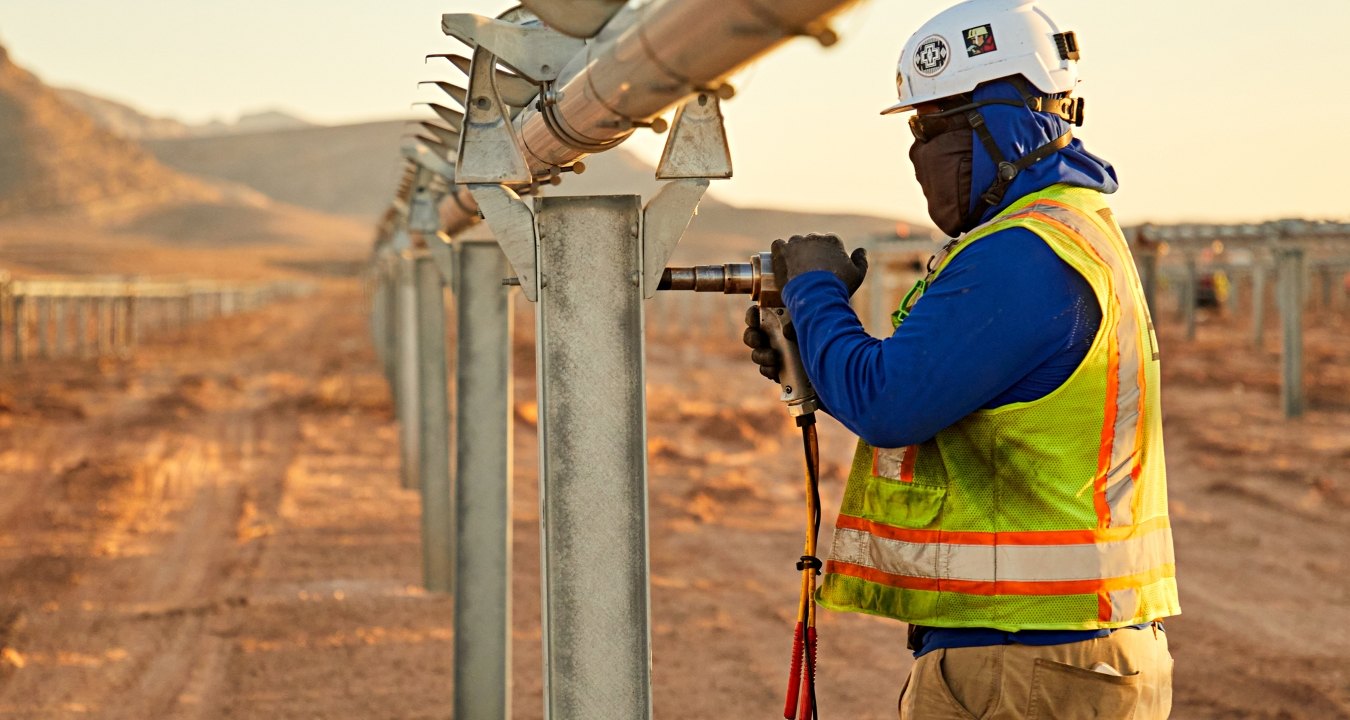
pixel 20 329
pixel 879 316
pixel 1188 298
pixel 407 372
pixel 1149 265
pixel 592 432
pixel 1291 270
pixel 6 312
pixel 82 327
pixel 42 307
pixel 59 323
pixel 102 322
pixel 433 416
pixel 389 292
pixel 1258 299
pixel 482 483
pixel 133 319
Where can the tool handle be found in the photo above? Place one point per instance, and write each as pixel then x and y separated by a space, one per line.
pixel 808 700
pixel 795 674
pixel 798 392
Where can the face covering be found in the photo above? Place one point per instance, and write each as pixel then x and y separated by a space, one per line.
pixel 943 166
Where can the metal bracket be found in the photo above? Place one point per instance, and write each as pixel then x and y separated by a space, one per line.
pixel 515 90
pixel 442 253
pixel 512 221
pixel 459 94
pixel 578 18
pixel 423 157
pixel 402 241
pixel 538 53
pixel 489 149
pixel 424 209
pixel 452 117
pixel 697 144
pixel 447 137
pixel 664 220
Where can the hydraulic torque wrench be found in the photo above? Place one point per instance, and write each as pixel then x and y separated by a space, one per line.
pixel 757 280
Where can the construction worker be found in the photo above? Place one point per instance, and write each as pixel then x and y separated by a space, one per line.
pixel 1008 496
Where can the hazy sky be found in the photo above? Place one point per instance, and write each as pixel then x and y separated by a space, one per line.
pixel 1211 110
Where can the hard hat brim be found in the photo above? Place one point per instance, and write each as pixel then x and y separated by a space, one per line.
pixel 899 107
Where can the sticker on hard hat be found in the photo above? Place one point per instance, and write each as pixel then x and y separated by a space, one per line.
pixel 932 56
pixel 980 40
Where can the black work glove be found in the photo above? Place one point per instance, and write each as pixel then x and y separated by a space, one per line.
pixel 803 254
pixel 761 352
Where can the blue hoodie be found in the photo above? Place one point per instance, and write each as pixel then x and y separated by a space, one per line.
pixel 1007 321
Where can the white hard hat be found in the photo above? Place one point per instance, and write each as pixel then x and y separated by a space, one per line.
pixel 982 40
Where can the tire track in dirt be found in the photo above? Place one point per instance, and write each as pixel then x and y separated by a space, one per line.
pixel 133 555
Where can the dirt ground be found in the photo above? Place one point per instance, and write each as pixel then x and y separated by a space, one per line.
pixel 214 528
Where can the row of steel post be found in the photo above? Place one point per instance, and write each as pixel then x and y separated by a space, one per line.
pixel 466 503
pixel 1292 273
pixel 592 437
pixel 53 319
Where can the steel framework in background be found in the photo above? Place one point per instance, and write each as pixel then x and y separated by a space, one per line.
pixel 60 318
pixel 547 85
pixel 1292 250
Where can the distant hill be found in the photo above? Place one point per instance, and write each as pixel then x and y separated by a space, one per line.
pixel 126 121
pixel 123 120
pixel 346 170
pixel 77 198
pixel 54 157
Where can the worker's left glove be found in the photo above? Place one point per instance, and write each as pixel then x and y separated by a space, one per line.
pixel 803 254
pixel 761 349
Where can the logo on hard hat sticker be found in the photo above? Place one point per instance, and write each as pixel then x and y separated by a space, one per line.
pixel 932 56
pixel 980 40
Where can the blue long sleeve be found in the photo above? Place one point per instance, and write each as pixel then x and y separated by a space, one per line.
pixel 1007 321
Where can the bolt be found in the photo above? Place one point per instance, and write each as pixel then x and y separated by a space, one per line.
pixel 482 103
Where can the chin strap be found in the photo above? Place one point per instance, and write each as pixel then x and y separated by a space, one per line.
pixel 1008 171
pixel 1070 109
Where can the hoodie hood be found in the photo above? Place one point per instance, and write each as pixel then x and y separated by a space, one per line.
pixel 1018 131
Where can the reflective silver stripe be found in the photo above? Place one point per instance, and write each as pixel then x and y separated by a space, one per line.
pixel 890 462
pixel 1129 394
pixel 857 547
pixel 1124 604
pixel 1006 563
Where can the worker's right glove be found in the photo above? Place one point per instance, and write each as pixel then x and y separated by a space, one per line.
pixel 761 351
pixel 805 253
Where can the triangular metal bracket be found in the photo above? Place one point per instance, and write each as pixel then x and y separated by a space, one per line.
pixel 664 220
pixel 423 157
pixel 438 246
pixel 536 52
pixel 424 214
pixel 578 18
pixel 512 222
pixel 697 145
pixel 489 149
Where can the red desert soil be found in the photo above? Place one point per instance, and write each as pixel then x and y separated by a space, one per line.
pixel 214 529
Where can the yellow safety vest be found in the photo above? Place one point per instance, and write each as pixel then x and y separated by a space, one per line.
pixel 1049 514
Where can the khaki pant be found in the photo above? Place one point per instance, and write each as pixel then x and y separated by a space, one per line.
pixel 1025 682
